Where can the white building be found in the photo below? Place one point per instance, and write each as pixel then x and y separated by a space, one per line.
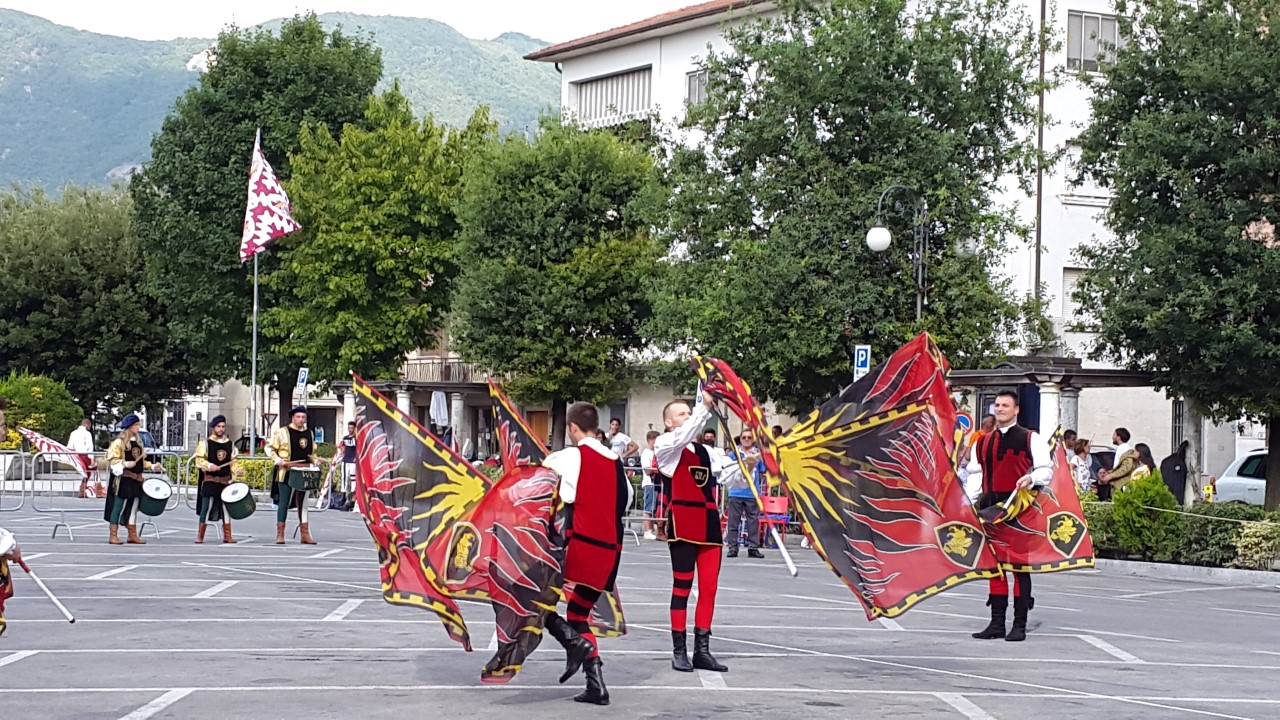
pixel 655 65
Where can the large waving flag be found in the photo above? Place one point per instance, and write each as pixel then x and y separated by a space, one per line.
pixel 58 452
pixel 872 477
pixel 520 446
pixel 267 215
pixel 446 534
pixel 1042 531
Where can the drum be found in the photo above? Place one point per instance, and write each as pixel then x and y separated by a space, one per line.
pixel 305 479
pixel 155 496
pixel 238 500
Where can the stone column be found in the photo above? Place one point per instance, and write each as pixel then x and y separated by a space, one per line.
pixel 1069 409
pixel 348 411
pixel 404 401
pixel 457 419
pixel 1050 392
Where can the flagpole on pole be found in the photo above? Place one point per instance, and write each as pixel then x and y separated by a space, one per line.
pixel 253 365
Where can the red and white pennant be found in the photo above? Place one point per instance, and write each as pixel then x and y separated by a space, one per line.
pixel 267 216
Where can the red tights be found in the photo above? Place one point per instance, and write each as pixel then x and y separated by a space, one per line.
pixel 1021 584
pixel 685 558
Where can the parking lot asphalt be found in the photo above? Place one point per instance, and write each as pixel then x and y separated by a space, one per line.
pixel 254 630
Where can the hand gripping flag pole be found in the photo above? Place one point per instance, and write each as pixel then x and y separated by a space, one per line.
pixel 755 492
pixel 267 217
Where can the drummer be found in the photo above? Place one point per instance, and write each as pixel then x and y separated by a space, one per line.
pixel 292 447
pixel 127 460
pixel 216 459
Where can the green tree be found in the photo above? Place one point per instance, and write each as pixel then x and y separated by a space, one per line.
pixel 370 276
pixel 556 251
pixel 191 197
pixel 73 307
pixel 1183 134
pixel 807 120
pixel 37 403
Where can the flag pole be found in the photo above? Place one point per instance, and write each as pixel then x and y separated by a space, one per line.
pixel 253 364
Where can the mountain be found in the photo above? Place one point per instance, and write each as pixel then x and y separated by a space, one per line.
pixel 81 107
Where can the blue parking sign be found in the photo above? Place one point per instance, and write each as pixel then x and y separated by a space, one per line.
pixel 861 361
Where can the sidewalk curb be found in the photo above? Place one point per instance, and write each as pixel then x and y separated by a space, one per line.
pixel 1190 573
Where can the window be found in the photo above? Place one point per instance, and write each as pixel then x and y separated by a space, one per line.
pixel 1179 423
pixel 696 87
pixel 616 98
pixel 1070 280
pixel 1255 466
pixel 1091 40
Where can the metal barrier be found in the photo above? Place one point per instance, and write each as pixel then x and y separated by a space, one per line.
pixel 49 488
pixel 15 470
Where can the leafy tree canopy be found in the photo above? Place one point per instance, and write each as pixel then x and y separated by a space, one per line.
pixel 74 307
pixel 191 197
pixel 1184 136
pixel 370 277
pixel 808 119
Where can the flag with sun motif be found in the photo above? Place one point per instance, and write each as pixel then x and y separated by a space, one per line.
pixel 267 216
pixel 871 476
pixel 445 533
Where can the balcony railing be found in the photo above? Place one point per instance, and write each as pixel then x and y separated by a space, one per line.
pixel 443 370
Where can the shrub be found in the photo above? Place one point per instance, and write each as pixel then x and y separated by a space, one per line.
pixel 1258 544
pixel 1210 537
pixel 1141 525
pixel 1100 520
pixel 37 403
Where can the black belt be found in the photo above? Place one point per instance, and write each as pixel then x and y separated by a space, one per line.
pixel 593 541
pixel 704 504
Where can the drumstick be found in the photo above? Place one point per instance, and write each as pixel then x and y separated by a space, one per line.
pixel 53 598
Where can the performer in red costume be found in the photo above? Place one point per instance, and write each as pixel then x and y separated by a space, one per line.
pixel 1009 458
pixel 596 494
pixel 693 529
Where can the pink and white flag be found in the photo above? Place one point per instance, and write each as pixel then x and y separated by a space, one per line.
pixel 68 456
pixel 267 215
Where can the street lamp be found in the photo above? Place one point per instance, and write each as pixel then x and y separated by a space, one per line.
pixel 879 238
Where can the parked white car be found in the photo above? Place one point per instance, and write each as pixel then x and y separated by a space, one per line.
pixel 1245 480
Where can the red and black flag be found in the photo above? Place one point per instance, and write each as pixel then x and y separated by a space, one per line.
pixel 520 446
pixel 871 475
pixel 1043 530
pixel 445 533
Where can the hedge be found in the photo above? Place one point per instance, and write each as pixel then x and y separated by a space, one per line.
pixel 1212 534
pixel 37 403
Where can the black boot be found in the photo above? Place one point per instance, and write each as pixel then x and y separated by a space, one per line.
pixel 702 658
pixel 679 653
pixel 755 553
pixel 733 551
pixel 576 648
pixel 596 693
pixel 999 608
pixel 1020 607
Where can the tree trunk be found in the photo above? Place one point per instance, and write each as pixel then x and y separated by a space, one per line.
pixel 1193 431
pixel 1272 501
pixel 285 386
pixel 559 409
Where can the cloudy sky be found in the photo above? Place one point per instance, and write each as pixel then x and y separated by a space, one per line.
pixel 551 20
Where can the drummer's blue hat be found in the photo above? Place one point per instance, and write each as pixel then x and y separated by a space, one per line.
pixel 298 409
pixel 129 421
pixel 217 419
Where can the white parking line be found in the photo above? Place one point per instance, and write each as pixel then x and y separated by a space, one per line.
pixel 1110 649
pixel 215 589
pixel 493 642
pixel 712 680
pixel 1092 631
pixel 1178 591
pixel 284 577
pixel 343 610
pixel 326 553
pixel 965 706
pixel 37 556
pixel 890 624
pixel 109 573
pixel 15 657
pixel 158 704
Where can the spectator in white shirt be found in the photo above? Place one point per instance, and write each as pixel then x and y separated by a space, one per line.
pixel 81 441
pixel 620 443
pixel 649 468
